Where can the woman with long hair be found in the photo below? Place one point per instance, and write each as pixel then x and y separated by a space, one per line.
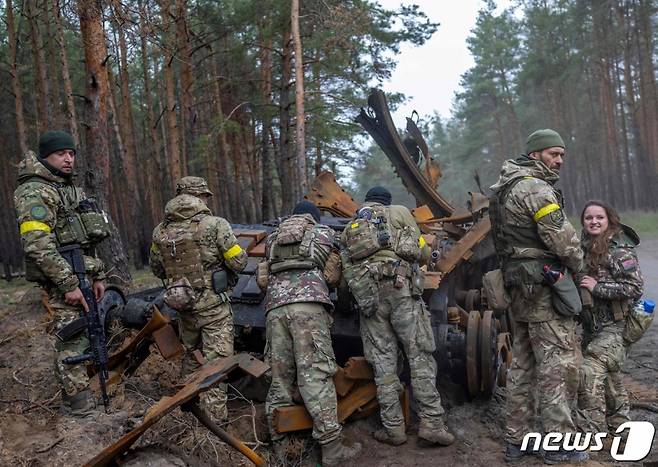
pixel 613 278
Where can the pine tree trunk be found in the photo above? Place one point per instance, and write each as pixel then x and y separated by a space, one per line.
pixel 71 114
pixel 300 123
pixel 174 153
pixel 97 176
pixel 43 110
pixel 21 130
pixel 186 83
pixel 287 172
pixel 153 166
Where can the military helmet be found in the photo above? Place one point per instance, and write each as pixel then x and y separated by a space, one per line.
pixel 192 186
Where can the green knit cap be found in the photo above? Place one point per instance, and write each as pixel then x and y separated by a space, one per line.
pixel 542 139
pixel 52 141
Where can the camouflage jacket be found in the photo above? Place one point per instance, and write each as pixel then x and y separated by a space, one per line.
pixel 40 214
pixel 300 285
pixel 399 217
pixel 535 205
pixel 618 277
pixel 217 244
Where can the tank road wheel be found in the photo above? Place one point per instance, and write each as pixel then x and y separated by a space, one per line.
pixel 489 359
pixel 472 299
pixel 472 354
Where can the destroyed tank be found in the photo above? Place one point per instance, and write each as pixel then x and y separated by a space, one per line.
pixel 473 342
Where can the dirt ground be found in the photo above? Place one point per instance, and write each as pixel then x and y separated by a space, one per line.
pixel 35 430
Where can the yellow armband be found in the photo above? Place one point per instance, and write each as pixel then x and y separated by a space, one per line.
pixel 29 226
pixel 549 208
pixel 232 252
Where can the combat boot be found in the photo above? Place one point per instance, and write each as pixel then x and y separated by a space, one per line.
pixel 395 437
pixel 513 452
pixel 564 457
pixel 432 435
pixel 336 452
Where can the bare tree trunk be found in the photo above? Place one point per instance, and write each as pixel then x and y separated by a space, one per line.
pixel 43 111
pixel 231 204
pixel 287 173
pixel 97 175
pixel 174 156
pixel 153 154
pixel 15 80
pixel 186 83
pixel 300 128
pixel 268 198
pixel 71 114
pixel 50 50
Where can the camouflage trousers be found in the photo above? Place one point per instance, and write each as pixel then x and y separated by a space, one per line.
pixel 601 395
pixel 546 361
pixel 71 378
pixel 401 320
pixel 299 352
pixel 208 328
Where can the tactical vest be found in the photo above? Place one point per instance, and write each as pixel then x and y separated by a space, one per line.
pixel 78 222
pixel 292 246
pixel 506 237
pixel 368 233
pixel 178 243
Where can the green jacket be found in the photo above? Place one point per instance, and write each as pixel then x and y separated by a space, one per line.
pixel 41 200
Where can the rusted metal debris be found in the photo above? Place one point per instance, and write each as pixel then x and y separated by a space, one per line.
pixel 326 194
pixel 205 378
pixel 357 397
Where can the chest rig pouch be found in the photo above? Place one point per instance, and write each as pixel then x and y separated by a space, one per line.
pixel 506 237
pixel 181 254
pixel 79 221
pixel 292 246
pixel 368 233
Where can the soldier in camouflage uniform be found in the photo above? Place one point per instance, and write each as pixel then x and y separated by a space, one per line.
pixel 382 246
pixel 615 282
pixel 530 231
pixel 298 321
pixel 193 244
pixel 53 213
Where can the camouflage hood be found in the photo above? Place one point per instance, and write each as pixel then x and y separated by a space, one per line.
pixel 31 166
pixel 184 207
pixel 524 167
pixel 627 237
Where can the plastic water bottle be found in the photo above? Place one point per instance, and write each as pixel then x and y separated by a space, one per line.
pixel 644 307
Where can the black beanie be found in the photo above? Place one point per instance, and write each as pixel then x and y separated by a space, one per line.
pixel 52 141
pixel 379 194
pixel 306 207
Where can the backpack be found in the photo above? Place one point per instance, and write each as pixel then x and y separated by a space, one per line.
pixel 368 233
pixel 291 245
pixel 181 253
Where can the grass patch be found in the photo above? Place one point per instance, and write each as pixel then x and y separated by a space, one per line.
pixel 645 223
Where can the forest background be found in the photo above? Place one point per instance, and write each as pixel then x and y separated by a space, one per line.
pixel 259 96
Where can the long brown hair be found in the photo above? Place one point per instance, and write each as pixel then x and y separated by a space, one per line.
pixel 596 248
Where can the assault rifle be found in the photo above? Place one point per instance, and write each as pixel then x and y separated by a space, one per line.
pixel 95 326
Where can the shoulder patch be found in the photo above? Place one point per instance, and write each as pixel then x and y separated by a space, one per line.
pixel 557 218
pixel 38 212
pixel 629 264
